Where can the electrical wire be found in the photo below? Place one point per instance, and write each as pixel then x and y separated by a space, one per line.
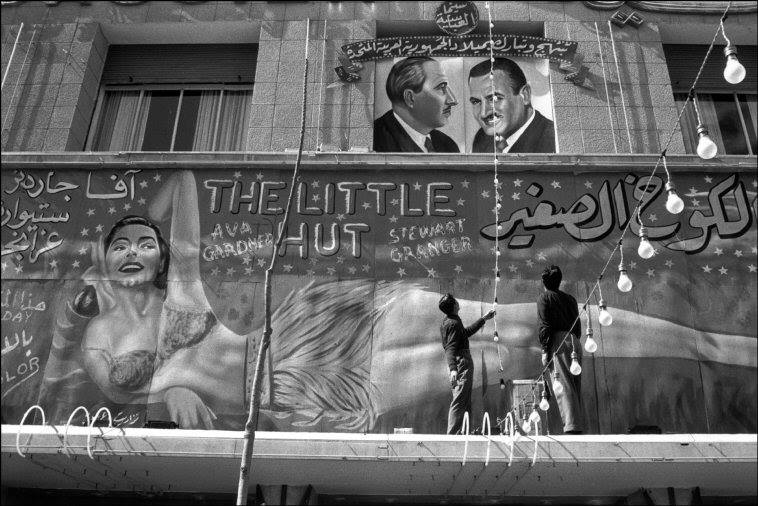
pixel 640 201
pixel 496 185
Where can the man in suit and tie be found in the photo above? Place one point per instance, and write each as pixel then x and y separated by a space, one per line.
pixel 421 102
pixel 503 108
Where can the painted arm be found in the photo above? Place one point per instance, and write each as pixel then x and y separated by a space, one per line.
pixel 177 202
pixel 70 325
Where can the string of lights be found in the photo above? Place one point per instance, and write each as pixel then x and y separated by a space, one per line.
pixel 496 187
pixel 734 73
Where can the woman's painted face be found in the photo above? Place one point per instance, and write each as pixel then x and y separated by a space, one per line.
pixel 133 258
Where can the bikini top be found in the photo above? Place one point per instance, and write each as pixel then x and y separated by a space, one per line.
pixel 133 369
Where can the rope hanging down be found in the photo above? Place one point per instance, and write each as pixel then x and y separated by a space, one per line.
pixel 252 421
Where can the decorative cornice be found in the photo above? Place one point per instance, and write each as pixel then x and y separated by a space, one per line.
pixel 693 7
pixel 571 163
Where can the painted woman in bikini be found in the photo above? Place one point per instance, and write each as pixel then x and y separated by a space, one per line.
pixel 147 334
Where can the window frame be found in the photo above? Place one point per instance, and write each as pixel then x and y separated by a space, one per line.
pixel 678 95
pixel 142 88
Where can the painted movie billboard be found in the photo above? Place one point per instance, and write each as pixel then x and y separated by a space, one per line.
pixel 142 291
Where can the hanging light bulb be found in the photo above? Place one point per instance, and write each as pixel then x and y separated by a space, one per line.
pixel 590 345
pixel 502 384
pixel 706 148
pixel 496 338
pixel 557 387
pixel 734 72
pixel 604 317
pixel 526 426
pixel 544 403
pixel 674 203
pixel 625 283
pixel 575 368
pixel 535 416
pixel 645 250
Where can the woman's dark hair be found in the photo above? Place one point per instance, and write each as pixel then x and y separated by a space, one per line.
pixel 551 277
pixel 161 277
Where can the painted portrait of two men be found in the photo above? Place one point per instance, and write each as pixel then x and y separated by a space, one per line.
pixel 463 105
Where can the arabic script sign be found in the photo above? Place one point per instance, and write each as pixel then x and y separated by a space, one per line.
pixel 457 18
pixel 469 45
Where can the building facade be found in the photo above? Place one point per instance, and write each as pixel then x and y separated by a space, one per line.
pixel 148 150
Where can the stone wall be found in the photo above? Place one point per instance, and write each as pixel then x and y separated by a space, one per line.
pixel 52 84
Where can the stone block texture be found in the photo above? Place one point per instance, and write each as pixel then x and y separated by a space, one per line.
pixel 53 80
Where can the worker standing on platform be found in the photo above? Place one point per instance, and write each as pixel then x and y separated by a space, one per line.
pixel 455 342
pixel 558 315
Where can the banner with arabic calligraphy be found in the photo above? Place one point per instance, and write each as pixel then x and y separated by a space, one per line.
pixel 463 119
pixel 522 46
pixel 158 316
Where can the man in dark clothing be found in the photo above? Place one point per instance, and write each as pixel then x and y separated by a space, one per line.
pixel 455 342
pixel 558 316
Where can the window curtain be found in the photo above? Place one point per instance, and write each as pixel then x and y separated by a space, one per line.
pixel 233 124
pixel 117 119
pixel 206 121
pixel 221 123
pixel 138 128
pixel 122 123
pixel 750 115
pixel 688 122
pixel 752 102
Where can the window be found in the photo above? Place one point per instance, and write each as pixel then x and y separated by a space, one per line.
pixel 728 111
pixel 174 98
pixel 172 119
pixel 729 117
